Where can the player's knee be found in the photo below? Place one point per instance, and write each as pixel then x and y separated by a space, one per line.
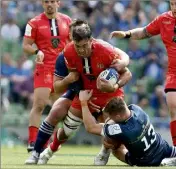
pixel 71 123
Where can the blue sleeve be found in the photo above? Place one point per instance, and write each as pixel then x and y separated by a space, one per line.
pixel 60 67
pixel 112 131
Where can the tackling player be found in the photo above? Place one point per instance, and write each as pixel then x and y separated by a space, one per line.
pixel 165 26
pixel 50 32
pixel 130 126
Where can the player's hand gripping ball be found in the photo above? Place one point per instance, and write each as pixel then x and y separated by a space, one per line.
pixel 107 80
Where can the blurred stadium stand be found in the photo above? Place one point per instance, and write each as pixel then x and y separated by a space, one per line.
pixel 148 58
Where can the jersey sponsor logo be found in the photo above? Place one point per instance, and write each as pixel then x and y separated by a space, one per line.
pixel 100 65
pixel 28 30
pixel 114 129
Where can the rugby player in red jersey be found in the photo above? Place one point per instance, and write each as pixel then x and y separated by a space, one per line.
pixel 165 26
pixel 89 57
pixel 49 31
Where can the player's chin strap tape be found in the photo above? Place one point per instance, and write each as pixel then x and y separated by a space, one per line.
pixel 71 123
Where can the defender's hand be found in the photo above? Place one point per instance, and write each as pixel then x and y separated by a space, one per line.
pixel 85 95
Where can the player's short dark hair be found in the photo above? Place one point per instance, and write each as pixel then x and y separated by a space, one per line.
pixel 80 30
pixel 115 105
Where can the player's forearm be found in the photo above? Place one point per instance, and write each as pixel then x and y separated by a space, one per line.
pixel 125 77
pixel 61 86
pixel 88 119
pixel 138 33
pixel 29 49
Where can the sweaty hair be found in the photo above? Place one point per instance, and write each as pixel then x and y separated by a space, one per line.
pixel 115 105
pixel 80 30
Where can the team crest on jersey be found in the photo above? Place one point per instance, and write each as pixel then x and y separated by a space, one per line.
pixel 55 42
pixel 100 65
pixel 114 129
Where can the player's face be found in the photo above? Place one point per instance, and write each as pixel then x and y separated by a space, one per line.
pixel 83 48
pixel 50 6
pixel 173 7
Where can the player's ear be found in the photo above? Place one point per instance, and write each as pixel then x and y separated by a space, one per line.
pixel 58 3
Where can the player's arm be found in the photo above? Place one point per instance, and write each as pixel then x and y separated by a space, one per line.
pixel 125 77
pixel 29 38
pixel 152 29
pixel 121 62
pixel 27 46
pixel 62 78
pixel 136 34
pixel 89 121
pixel 61 84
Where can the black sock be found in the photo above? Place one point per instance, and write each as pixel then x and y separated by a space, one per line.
pixel 45 132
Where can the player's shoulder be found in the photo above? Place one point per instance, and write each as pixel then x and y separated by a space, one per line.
pixel 165 15
pixel 64 16
pixel 99 43
pixel 108 51
pixel 36 19
pixel 69 48
pixel 134 107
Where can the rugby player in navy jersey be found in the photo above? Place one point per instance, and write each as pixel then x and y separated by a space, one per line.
pixel 130 126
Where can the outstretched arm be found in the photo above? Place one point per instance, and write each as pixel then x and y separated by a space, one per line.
pixel 89 121
pixel 136 34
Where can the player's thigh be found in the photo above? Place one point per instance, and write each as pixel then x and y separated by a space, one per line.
pixel 76 112
pixel 41 95
pixel 59 110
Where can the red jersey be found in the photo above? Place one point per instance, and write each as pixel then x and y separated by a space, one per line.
pixel 50 35
pixel 164 25
pixel 101 58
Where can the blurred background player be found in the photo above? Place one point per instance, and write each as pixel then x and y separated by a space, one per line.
pixel 165 26
pixel 50 32
pixel 130 126
pixel 88 61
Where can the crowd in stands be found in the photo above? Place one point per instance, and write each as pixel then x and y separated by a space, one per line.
pixel 148 57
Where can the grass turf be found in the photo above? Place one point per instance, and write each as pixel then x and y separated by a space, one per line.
pixel 69 157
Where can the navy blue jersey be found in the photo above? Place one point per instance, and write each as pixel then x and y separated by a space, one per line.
pixel 62 71
pixel 138 135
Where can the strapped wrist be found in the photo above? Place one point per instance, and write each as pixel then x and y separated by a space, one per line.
pixel 36 51
pixel 127 34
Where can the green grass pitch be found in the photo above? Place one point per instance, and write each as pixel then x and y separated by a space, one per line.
pixel 69 157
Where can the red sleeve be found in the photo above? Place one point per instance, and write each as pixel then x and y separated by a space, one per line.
pixel 69 58
pixel 111 54
pixel 153 28
pixel 31 29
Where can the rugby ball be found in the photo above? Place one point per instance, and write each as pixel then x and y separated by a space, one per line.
pixel 111 75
